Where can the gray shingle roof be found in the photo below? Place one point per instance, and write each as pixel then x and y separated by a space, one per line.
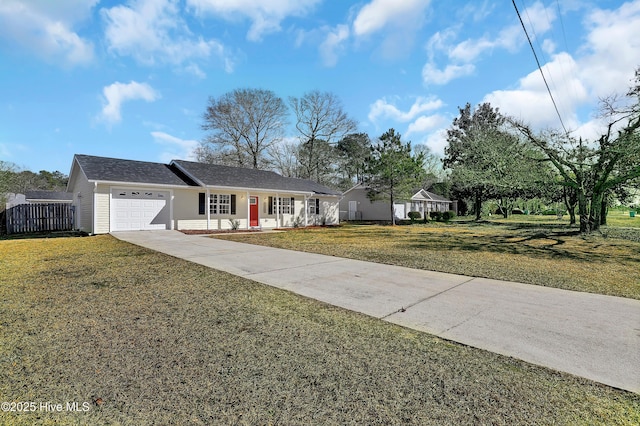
pixel 118 170
pixel 49 195
pixel 217 175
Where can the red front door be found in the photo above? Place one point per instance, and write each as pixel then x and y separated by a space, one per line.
pixel 253 211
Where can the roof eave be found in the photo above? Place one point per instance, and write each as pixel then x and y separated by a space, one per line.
pixel 155 185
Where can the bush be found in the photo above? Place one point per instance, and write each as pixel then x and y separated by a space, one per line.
pixel 448 215
pixel 517 211
pixel 435 215
pixel 414 216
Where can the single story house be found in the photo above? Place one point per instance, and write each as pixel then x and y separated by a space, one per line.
pixel 37 197
pixel 112 194
pixel 356 205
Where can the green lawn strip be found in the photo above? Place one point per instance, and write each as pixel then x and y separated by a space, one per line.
pixel 159 340
pixel 538 254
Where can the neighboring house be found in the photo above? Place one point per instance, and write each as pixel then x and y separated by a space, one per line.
pixel 355 205
pixel 13 200
pixel 37 197
pixel 112 194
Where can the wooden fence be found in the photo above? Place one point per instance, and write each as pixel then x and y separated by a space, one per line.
pixel 26 218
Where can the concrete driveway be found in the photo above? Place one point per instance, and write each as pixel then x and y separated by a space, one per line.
pixel 588 335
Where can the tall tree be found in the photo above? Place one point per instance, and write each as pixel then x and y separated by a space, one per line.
pixel 244 124
pixel 392 171
pixel 353 149
pixel 470 148
pixel 320 121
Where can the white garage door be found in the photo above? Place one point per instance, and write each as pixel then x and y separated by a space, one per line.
pixel 139 210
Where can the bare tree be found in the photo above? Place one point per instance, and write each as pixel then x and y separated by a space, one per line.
pixel 321 122
pixel 244 124
pixel 284 158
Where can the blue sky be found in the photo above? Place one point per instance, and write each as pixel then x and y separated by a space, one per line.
pixel 131 79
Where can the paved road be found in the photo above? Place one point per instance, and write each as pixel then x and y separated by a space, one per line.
pixel 588 335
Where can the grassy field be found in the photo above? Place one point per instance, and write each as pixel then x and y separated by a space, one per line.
pixel 144 338
pixel 541 251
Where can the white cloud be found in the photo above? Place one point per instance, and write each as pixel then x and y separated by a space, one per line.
pixel 425 124
pixel 531 100
pixel 178 149
pixel 433 75
pixel 332 46
pixel 461 56
pixel 612 50
pixel 603 66
pixel 266 16
pixel 118 93
pixel 152 31
pixel 397 21
pixel 47 28
pixel 379 14
pixel 383 109
pixel 537 19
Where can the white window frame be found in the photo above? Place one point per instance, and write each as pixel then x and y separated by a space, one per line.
pixel 284 205
pixel 220 204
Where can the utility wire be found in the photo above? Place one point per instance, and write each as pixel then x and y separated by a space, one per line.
pixel 539 66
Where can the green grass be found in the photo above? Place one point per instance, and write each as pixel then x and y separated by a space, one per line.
pixel 535 252
pixel 145 338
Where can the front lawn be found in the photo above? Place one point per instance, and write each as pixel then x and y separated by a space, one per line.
pixel 545 254
pixel 144 338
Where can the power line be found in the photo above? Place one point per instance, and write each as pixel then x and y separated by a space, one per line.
pixel 539 66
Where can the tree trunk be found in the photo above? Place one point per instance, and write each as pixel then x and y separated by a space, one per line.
pixel 393 213
pixel 570 202
pixel 604 211
pixel 584 214
pixel 478 203
pixel 595 211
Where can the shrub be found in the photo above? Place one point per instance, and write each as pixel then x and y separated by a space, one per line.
pixel 448 215
pixel 414 216
pixel 435 215
pixel 517 211
pixel 553 212
pixel 235 224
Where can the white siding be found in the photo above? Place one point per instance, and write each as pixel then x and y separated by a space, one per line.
pixel 82 199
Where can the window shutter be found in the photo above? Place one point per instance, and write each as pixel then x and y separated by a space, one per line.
pixel 270 205
pixel 233 203
pixel 293 204
pixel 201 203
pixel 317 205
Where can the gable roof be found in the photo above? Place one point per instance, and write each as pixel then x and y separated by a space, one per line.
pixel 237 177
pixel 423 194
pixel 118 170
pixel 189 173
pixel 49 195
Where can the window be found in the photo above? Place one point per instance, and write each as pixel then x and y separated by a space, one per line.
pixel 220 204
pixel 314 206
pixel 285 205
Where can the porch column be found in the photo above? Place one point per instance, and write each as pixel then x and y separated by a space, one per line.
pixel 248 211
pixel 208 204
pixel 277 207
pixel 306 209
